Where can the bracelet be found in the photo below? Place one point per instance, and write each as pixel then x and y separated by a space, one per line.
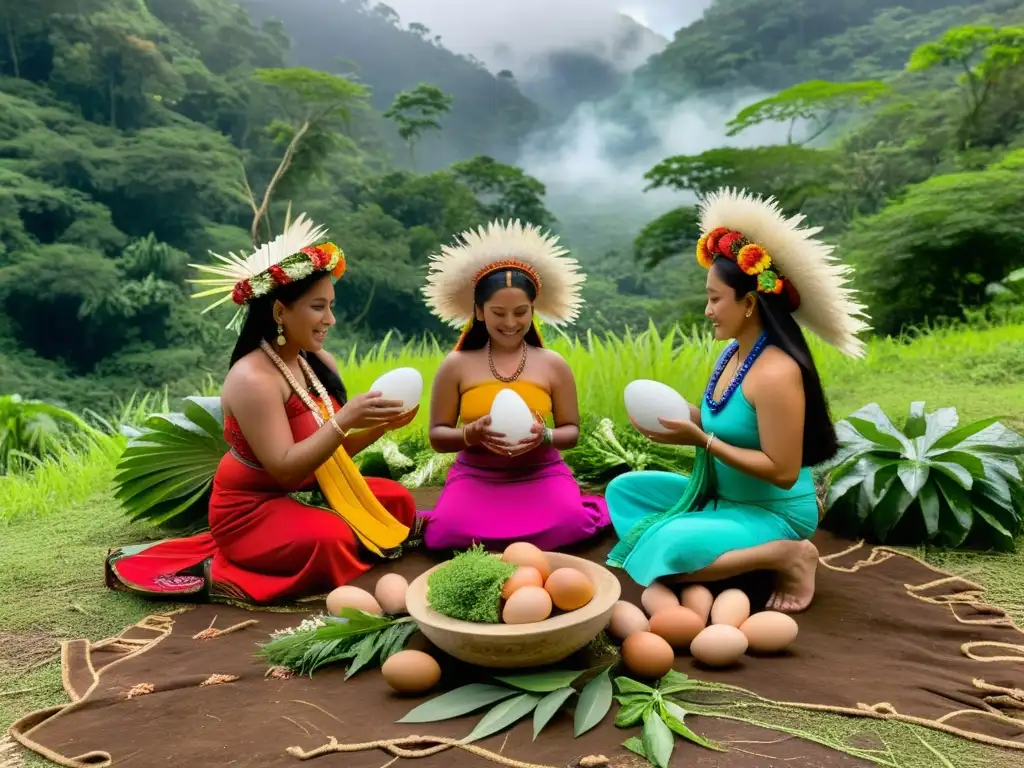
pixel 465 440
pixel 711 439
pixel 338 429
pixel 549 436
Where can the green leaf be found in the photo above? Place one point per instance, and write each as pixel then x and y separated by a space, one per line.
pixel 913 475
pixel 631 713
pixel 547 707
pixel 369 647
pixel 955 471
pixel 674 682
pixel 957 436
pixel 542 682
pixel 674 717
pixel 928 498
pixel 657 738
pixel 973 463
pixel 636 745
pixel 890 509
pixel 595 701
pixel 457 703
pixel 874 425
pixel 915 424
pixel 504 714
pixel 956 528
pixel 627 685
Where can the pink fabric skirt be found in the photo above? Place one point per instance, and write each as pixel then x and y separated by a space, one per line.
pixel 488 500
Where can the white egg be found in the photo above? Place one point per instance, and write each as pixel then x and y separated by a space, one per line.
pixel 405 384
pixel 647 400
pixel 511 416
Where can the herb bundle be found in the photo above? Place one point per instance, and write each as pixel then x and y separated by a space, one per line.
pixel 363 639
pixel 541 694
pixel 468 587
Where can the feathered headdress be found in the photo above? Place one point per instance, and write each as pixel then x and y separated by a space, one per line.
pixel 299 251
pixel 455 271
pixel 786 259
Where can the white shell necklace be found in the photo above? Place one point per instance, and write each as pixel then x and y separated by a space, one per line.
pixel 302 392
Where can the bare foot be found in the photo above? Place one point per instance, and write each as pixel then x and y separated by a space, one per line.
pixel 795 587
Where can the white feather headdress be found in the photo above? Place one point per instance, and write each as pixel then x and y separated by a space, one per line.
pixel 826 302
pixel 454 272
pixel 299 251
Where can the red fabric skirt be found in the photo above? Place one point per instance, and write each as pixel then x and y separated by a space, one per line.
pixel 264 545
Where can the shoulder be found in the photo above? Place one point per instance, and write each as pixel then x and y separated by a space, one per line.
pixel 327 359
pixel 553 359
pixel 252 376
pixel 452 365
pixel 776 369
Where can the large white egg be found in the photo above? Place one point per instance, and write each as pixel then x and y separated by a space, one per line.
pixel 511 416
pixel 405 384
pixel 647 400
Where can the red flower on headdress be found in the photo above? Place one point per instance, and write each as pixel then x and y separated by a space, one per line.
pixel 753 259
pixel 319 257
pixel 279 275
pixel 242 292
pixel 713 236
pixel 729 244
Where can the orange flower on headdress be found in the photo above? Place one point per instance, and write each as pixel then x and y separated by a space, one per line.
pixel 753 259
pixel 713 237
pixel 704 255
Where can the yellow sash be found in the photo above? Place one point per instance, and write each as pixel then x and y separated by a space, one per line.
pixel 352 500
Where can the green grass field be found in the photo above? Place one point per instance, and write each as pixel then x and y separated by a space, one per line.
pixel 56 524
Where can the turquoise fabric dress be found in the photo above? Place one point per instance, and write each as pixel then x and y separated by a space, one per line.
pixel 740 511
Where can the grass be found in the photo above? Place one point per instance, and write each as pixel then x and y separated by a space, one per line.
pixel 57 523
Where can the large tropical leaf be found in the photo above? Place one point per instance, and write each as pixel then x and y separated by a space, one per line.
pixel 959 484
pixel 166 471
pixel 31 430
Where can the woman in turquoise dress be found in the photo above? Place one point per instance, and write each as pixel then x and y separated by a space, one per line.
pixel 763 422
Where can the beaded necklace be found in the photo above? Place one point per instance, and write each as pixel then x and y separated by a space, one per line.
pixel 302 392
pixel 709 394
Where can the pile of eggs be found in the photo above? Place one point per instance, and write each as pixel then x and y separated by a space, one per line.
pixel 408 671
pixel 716 631
pixel 534 591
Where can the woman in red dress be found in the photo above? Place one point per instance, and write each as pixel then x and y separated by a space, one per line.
pixel 290 515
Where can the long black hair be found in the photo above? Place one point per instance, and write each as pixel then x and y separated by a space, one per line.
pixel 783 331
pixel 260 324
pixel 477 336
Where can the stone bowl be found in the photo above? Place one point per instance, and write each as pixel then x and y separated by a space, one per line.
pixel 512 646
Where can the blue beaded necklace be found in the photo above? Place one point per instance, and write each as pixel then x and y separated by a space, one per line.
pixel 709 393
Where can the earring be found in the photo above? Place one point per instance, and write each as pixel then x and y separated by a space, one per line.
pixel 280 335
pixel 749 312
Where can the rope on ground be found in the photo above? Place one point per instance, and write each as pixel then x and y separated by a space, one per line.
pixel 398 748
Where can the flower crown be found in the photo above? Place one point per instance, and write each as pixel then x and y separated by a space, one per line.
pixel 750 257
pixel 299 251
pixel 326 257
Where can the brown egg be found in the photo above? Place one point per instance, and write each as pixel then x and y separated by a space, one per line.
pixel 731 607
pixel 390 593
pixel 627 620
pixel 411 672
pixel 698 599
pixel 769 631
pixel 647 655
pixel 678 625
pixel 570 589
pixel 524 553
pixel 656 597
pixel 352 597
pixel 525 576
pixel 719 645
pixel 527 605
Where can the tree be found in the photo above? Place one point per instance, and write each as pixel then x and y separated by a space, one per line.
pixel 985 54
pixel 310 99
pixel 818 102
pixel 420 30
pixel 671 234
pixel 504 191
pixel 933 252
pixel 389 14
pixel 416 111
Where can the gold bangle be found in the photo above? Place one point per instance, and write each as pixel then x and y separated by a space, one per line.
pixel 711 439
pixel 338 429
pixel 464 439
